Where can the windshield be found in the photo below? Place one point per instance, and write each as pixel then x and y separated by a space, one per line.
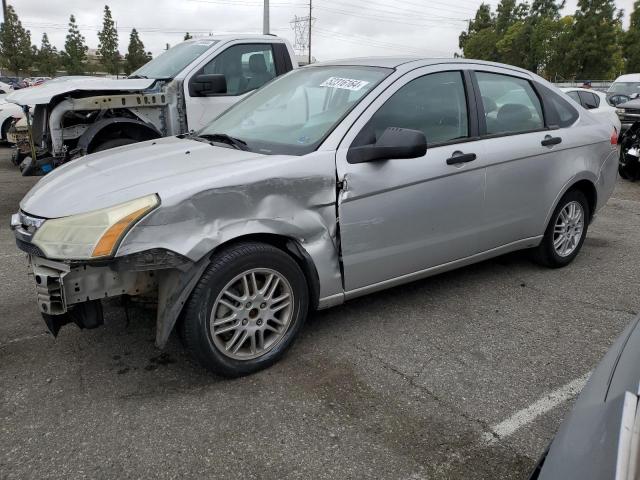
pixel 293 114
pixel 174 60
pixel 625 88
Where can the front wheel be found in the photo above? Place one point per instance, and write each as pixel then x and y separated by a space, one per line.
pixel 246 310
pixel 566 231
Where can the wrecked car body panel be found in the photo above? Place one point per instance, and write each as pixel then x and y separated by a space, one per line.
pixel 47 91
pixel 210 196
pixel 75 116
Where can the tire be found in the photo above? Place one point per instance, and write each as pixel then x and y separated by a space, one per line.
pixel 5 129
pixel 551 256
pixel 113 143
pixel 252 312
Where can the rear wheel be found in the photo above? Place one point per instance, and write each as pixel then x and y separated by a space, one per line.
pixel 566 231
pixel 246 310
pixel 113 143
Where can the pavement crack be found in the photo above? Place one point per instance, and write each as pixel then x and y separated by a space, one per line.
pixel 411 380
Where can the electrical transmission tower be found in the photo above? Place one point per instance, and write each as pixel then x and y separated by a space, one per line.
pixel 301 27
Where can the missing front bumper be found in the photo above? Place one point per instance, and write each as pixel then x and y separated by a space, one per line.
pixel 72 293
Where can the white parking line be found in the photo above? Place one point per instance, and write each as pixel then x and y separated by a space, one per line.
pixel 533 411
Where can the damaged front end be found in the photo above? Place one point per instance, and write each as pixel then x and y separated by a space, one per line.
pixel 72 291
pixel 77 123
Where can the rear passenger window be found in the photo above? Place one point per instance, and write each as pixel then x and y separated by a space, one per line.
pixel 589 100
pixel 510 104
pixel 434 104
pixel 574 95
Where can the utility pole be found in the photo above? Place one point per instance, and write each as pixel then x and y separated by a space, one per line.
pixel 4 11
pixel 310 22
pixel 265 18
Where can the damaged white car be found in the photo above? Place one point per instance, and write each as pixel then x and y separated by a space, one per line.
pixel 333 181
pixel 181 90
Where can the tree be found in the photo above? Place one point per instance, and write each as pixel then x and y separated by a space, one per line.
pixel 108 46
pixel 16 53
pixel 47 59
pixel 596 52
pixel 631 41
pixel 542 28
pixel 187 36
pixel 508 14
pixel 75 50
pixel 479 41
pixel 559 65
pixel 514 44
pixel 136 55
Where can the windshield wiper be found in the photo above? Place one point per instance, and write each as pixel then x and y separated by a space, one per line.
pixel 236 143
pixel 138 76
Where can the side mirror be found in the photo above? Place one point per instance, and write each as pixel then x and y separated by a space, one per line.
pixel 393 143
pixel 618 99
pixel 207 84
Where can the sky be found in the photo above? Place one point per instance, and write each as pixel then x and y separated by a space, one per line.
pixel 341 28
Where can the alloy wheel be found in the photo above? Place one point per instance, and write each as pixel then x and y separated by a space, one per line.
pixel 251 314
pixel 568 229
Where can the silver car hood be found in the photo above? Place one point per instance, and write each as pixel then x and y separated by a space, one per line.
pixel 170 167
pixel 43 93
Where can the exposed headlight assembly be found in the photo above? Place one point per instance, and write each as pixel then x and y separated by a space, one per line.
pixel 94 234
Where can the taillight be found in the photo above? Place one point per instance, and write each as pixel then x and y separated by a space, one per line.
pixel 614 136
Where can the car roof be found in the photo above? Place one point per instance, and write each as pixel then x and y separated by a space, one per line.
pixel 237 36
pixel 395 62
pixel 630 77
pixel 590 90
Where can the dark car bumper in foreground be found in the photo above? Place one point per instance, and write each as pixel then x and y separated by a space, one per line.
pixel 588 444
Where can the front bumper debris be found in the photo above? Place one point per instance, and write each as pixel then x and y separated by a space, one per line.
pixel 69 293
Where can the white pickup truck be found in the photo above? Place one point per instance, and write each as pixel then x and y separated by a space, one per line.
pixel 179 91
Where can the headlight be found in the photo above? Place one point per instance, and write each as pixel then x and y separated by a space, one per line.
pixel 91 235
pixel 620 111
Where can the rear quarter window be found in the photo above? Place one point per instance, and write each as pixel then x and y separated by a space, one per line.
pixel 559 112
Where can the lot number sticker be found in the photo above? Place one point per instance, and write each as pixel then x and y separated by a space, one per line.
pixel 344 83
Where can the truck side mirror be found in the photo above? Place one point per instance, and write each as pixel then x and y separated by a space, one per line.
pixel 208 84
pixel 393 143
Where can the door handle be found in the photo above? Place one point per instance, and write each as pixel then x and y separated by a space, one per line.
pixel 549 141
pixel 459 157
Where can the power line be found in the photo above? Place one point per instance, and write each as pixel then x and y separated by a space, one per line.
pixel 401 12
pixel 386 19
pixel 364 40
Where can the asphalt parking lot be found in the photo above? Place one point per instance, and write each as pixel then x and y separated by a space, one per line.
pixel 434 379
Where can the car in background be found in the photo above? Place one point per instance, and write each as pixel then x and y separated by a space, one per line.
pixel 600 438
pixel 5 88
pixel 624 88
pixel 596 103
pixel 181 90
pixel 628 112
pixel 10 80
pixel 38 81
pixel 9 112
pixel 332 181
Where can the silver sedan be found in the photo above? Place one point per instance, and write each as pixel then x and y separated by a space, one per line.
pixel 333 181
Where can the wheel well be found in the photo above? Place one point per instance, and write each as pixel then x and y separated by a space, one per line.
pixel 589 191
pixel 293 248
pixel 4 129
pixel 135 131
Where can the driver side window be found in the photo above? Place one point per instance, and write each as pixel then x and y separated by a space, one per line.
pixel 434 104
pixel 245 67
